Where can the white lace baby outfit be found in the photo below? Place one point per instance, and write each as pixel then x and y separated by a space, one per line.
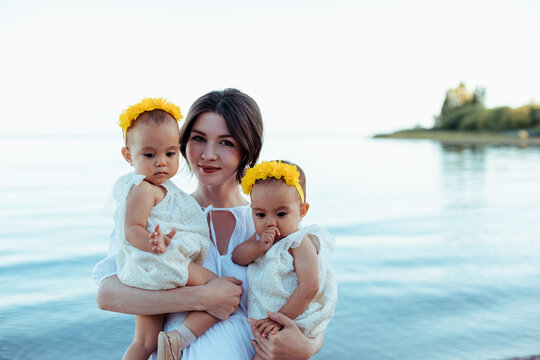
pixel 152 271
pixel 228 339
pixel 272 280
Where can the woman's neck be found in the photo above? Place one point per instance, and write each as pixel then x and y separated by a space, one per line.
pixel 220 196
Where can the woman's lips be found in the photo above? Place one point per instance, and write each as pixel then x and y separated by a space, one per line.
pixel 208 169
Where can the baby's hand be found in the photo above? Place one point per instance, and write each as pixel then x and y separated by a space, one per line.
pixel 267 238
pixel 160 241
pixel 266 326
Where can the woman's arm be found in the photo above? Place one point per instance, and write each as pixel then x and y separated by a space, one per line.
pixel 219 297
pixel 287 344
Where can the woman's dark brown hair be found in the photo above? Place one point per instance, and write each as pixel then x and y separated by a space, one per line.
pixel 242 116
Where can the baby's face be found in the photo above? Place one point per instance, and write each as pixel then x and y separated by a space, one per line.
pixel 153 150
pixel 277 204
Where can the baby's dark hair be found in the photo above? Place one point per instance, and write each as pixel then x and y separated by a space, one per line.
pixel 301 179
pixel 156 117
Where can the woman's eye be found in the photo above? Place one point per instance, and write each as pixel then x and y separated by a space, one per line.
pixel 226 143
pixel 148 155
pixel 197 138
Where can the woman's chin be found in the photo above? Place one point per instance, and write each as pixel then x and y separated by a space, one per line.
pixel 213 179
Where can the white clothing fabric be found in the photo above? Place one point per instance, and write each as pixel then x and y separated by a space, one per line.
pixel 228 339
pixel 153 271
pixel 272 280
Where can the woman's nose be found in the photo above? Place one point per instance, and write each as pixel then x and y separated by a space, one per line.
pixel 209 153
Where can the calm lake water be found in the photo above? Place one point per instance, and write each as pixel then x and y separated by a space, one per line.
pixel 438 250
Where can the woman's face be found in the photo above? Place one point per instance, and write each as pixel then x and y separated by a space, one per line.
pixel 212 152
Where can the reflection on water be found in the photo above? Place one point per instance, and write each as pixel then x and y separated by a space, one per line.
pixel 463 175
pixel 451 271
pixel 437 253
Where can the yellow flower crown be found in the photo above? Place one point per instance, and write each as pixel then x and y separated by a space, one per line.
pixel 147 104
pixel 275 169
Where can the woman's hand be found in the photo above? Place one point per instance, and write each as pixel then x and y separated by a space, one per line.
pixel 219 297
pixel 287 344
pixel 222 296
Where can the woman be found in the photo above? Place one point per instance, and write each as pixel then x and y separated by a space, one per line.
pixel 220 138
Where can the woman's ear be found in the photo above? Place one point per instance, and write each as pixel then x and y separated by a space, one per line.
pixel 303 210
pixel 127 155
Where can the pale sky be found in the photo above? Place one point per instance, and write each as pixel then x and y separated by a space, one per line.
pixel 341 66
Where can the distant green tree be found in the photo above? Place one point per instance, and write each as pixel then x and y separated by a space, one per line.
pixel 452 120
pixel 535 115
pixel 463 110
pixel 460 105
pixel 519 118
pixel 497 118
pixel 469 122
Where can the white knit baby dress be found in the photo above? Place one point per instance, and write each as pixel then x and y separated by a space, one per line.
pixel 152 271
pixel 272 279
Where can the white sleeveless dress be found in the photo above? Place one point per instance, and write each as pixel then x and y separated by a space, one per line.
pixel 272 280
pixel 228 339
pixel 152 271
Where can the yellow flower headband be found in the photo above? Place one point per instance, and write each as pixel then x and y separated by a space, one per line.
pixel 275 169
pixel 147 104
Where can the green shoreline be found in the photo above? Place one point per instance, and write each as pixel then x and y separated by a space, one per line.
pixel 463 137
